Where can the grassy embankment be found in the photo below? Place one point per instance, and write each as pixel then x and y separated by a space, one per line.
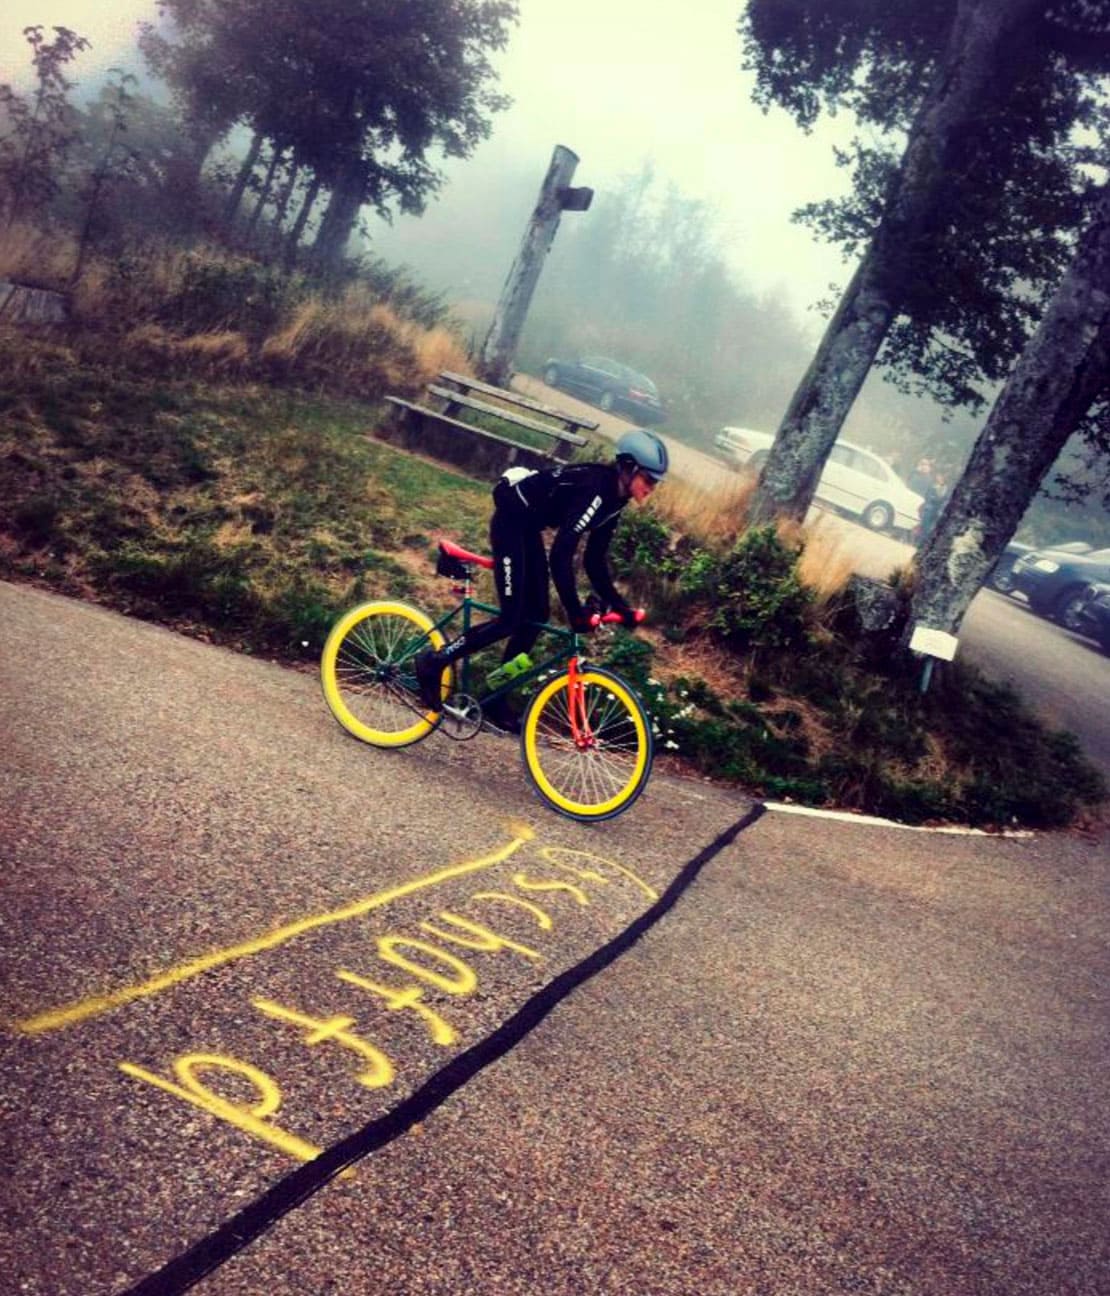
pixel 206 464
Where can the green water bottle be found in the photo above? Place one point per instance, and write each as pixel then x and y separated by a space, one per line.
pixel 510 670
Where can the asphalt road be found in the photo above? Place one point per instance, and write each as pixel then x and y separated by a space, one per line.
pixel 849 1058
pixel 1064 677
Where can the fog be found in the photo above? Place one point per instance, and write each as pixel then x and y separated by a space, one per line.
pixel 725 324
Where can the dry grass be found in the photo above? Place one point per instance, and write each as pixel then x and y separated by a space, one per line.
pixel 208 312
pixel 713 517
pixel 42 258
pixel 360 345
pixel 826 564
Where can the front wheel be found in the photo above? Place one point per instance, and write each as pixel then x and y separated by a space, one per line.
pixel 606 402
pixel 1002 579
pixel 367 673
pixel 878 516
pixel 551 376
pixel 599 773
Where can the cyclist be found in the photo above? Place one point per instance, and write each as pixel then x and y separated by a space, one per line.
pixel 575 500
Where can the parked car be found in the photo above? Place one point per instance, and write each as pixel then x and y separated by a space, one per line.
pixel 854 480
pixel 1001 576
pixel 609 384
pixel 1055 580
pixel 1093 614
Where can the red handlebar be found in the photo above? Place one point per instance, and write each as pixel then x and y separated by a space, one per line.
pixel 615 618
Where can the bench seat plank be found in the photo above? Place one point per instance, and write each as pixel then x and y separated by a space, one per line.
pixel 515 398
pixel 457 398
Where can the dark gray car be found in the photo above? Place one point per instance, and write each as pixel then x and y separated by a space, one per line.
pixel 1093 614
pixel 609 384
pixel 1055 582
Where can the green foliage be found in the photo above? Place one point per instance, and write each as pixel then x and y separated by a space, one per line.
pixel 642 544
pixel 35 517
pixel 1017 772
pixel 760 602
pixel 1013 180
pixel 236 294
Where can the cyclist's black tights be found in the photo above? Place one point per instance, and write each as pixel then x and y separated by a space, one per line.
pixel 520 574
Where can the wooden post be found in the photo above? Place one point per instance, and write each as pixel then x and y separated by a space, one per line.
pixel 499 348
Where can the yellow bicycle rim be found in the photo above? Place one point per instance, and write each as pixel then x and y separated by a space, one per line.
pixel 335 672
pixel 575 803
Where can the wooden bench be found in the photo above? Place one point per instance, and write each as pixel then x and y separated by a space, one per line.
pixel 485 454
pixel 487 451
pixel 454 401
pixel 466 384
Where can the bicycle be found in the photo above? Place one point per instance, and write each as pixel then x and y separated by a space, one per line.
pixel 586 739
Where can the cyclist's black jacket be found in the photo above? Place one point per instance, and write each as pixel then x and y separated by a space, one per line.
pixel 577 500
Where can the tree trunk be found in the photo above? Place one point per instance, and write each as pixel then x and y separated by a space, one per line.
pixel 285 196
pixel 499 347
pixel 239 188
pixel 1061 372
pixel 264 192
pixel 339 220
pixel 977 52
pixel 292 244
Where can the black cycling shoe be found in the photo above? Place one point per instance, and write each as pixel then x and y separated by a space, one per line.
pixel 429 676
pixel 499 715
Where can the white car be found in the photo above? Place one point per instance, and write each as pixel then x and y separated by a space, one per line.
pixel 854 480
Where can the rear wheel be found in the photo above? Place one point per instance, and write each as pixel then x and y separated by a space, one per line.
pixel 756 461
pixel 551 376
pixel 1066 608
pixel 878 516
pixel 606 402
pixel 367 673
pixel 602 772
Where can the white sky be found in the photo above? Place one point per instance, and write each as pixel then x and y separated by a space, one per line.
pixel 616 81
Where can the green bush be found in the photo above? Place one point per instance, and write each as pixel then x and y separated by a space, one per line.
pixel 641 544
pixel 760 602
pixel 239 295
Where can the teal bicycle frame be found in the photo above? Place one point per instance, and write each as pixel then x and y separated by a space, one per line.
pixel 465 670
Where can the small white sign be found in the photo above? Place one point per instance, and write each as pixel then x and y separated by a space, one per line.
pixel 934 643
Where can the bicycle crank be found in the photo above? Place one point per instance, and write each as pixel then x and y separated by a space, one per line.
pixel 462 717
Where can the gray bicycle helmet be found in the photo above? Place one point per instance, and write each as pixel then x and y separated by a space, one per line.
pixel 646 451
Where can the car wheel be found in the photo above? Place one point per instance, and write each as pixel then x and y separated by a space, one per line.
pixel 1066 608
pixel 755 462
pixel 606 402
pixel 1002 580
pixel 551 376
pixel 878 516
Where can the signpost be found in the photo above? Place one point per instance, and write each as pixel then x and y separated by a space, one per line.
pixel 556 197
pixel 934 645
